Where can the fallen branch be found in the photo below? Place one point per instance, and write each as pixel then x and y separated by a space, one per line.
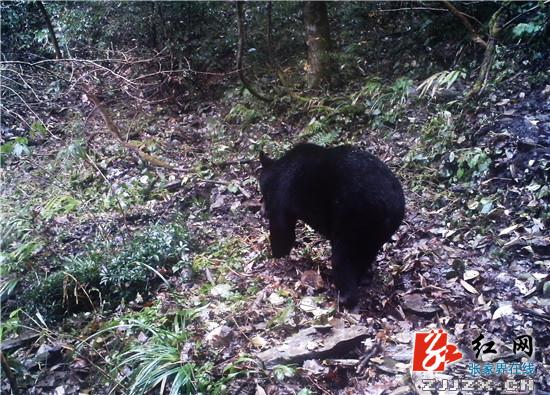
pixel 113 129
pixel 365 359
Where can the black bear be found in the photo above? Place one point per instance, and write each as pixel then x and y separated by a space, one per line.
pixel 347 195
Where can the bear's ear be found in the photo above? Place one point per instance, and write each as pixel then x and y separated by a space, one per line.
pixel 265 160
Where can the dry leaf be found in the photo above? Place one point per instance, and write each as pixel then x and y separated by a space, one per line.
pixel 469 287
pixel 503 311
pixel 470 275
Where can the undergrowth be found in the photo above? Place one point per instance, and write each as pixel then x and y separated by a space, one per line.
pixel 107 274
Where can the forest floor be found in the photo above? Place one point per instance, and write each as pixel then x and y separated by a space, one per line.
pixel 472 256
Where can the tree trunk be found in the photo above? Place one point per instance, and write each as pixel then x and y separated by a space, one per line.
pixel 50 29
pixel 318 43
pixel 153 38
pixel 240 51
pixel 473 33
pixel 489 55
pixel 270 57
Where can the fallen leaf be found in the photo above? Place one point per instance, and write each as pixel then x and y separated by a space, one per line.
pixel 503 311
pixel 470 275
pixel 507 230
pixel 275 299
pixel 258 342
pixel 469 287
pixel 521 286
pixel 223 290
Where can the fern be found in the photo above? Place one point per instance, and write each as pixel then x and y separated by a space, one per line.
pixel 59 205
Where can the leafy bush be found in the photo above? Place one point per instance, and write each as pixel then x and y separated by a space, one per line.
pixel 59 205
pixel 318 131
pixel 153 248
pixel 18 244
pixel 472 163
pixel 106 275
pixel 17 147
pixel 437 136
pixel 243 114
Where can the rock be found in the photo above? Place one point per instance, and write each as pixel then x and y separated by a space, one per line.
pixel 22 340
pixel 419 304
pixel 220 336
pixel 315 343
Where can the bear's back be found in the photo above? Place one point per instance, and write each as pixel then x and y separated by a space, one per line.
pixel 343 188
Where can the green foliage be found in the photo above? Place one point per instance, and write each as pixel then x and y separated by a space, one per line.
pixel 523 30
pixel 72 288
pixel 436 138
pixel 38 129
pixel 435 82
pixel 59 205
pixel 471 164
pixel 281 372
pixel 132 192
pixel 158 362
pixel 243 114
pixel 110 274
pixel 283 317
pixel 18 245
pixel 227 253
pixel 72 153
pixel 383 102
pixel 17 147
pixel 157 246
pixel 399 90
pixel 319 132
pixel 10 325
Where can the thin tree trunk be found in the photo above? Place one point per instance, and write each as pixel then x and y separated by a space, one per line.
pixel 242 33
pixel 9 374
pixel 53 37
pixel 489 55
pixel 473 33
pixel 153 39
pixel 318 43
pixel 270 57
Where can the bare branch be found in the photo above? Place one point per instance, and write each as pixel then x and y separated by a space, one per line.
pixel 474 34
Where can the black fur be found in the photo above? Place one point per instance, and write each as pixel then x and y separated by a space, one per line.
pixel 346 194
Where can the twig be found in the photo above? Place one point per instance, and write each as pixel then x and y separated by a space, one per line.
pixel 9 374
pixel 113 129
pixel 365 359
pixel 426 9
pixel 234 162
pixel 523 13
pixel 31 110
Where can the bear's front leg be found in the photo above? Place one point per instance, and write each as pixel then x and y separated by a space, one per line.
pixel 281 235
pixel 344 274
